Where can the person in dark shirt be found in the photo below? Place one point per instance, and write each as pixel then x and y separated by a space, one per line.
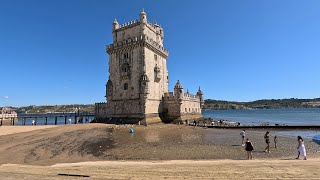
pixel 249 148
pixel 267 138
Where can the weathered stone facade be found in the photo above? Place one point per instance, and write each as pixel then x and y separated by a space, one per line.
pixel 8 116
pixel 137 88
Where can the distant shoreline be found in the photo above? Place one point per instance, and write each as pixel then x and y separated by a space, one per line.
pixel 262 104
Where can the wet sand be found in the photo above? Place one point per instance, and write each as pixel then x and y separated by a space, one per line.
pixel 147 145
pixel 4 130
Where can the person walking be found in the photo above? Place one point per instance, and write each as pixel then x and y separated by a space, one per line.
pixel 301 148
pixel 249 148
pixel 275 140
pixel 267 139
pixel 243 135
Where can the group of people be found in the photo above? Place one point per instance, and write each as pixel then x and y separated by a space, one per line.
pixel 80 120
pixel 301 150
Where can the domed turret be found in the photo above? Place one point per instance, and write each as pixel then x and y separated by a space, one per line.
pixel 115 25
pixel 200 95
pixel 178 90
pixel 178 85
pixel 143 17
pixel 109 90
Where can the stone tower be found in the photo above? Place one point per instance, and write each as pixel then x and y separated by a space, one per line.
pixel 137 88
pixel 138 75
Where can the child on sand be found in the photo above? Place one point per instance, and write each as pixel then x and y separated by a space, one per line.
pixel 249 148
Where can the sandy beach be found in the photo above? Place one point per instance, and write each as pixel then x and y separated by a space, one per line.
pixel 175 169
pixel 159 151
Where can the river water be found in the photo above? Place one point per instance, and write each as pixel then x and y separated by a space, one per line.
pixel 297 117
pixel 306 116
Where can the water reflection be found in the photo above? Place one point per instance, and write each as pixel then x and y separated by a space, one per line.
pixel 189 138
pixel 316 139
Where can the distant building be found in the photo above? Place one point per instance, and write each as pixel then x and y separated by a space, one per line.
pixel 8 116
pixel 137 88
pixel 312 103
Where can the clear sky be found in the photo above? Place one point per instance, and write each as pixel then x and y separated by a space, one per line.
pixel 53 52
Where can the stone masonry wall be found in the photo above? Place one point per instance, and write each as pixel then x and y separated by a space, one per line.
pixel 138 77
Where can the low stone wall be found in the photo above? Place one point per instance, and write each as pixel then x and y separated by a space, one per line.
pixel 149 119
pixel 8 121
pixel 187 117
pixel 152 120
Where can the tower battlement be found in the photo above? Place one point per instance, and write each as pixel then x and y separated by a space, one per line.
pixel 136 22
pixel 135 41
pixel 169 96
pixel 128 24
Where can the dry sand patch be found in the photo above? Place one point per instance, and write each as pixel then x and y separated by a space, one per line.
pixel 5 130
pixel 176 169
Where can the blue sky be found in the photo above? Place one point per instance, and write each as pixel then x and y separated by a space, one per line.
pixel 53 52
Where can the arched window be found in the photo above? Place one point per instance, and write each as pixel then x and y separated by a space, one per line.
pixel 125 68
pixel 125 86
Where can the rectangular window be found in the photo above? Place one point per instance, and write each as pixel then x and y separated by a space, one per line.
pixel 126 56
pixel 125 86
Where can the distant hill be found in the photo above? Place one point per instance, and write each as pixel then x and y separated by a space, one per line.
pixel 56 108
pixel 263 104
pixel 209 104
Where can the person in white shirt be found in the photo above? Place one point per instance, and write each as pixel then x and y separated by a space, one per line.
pixel 243 135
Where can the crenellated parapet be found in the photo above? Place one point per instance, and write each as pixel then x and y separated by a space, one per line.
pixel 142 40
pixel 169 96
pixel 127 25
pixel 190 97
pixel 153 26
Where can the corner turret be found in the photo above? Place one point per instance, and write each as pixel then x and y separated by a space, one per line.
pixel 143 17
pixel 109 90
pixel 200 95
pixel 178 90
pixel 159 33
pixel 144 84
pixel 115 25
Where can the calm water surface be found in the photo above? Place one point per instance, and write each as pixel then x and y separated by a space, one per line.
pixel 303 116
pixel 272 116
